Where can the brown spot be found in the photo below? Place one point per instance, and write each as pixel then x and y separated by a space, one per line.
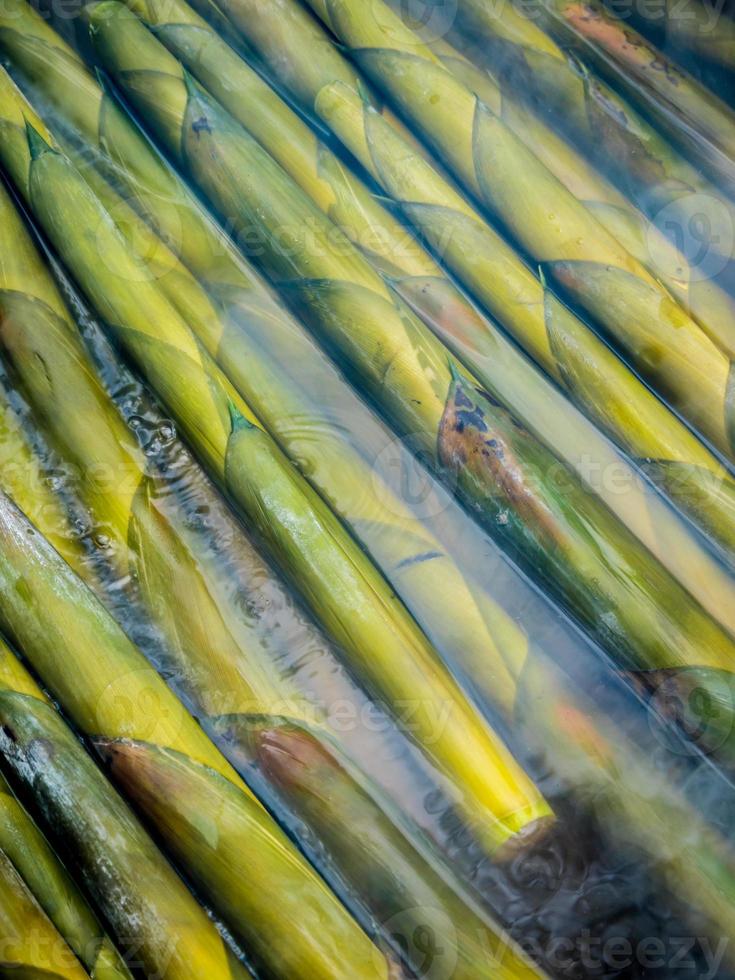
pixel 482 438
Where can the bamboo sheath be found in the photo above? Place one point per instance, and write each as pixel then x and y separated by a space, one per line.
pixel 149 908
pixel 235 307
pixel 168 787
pixel 147 531
pixel 25 848
pixel 51 885
pixel 103 446
pixel 460 624
pixel 643 320
pixel 31 946
pixel 683 107
pixel 708 303
pixel 672 192
pixel 53 73
pixel 24 479
pixel 340 465
pixel 405 891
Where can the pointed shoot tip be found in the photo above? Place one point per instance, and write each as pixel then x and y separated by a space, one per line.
pixel 237 419
pixel 36 142
pixel 190 84
pixel 102 79
pixel 578 65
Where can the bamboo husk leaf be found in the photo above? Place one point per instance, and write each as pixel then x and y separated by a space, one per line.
pixel 341 465
pixel 418 565
pixel 494 165
pixel 683 106
pixel 144 770
pixel 315 167
pixel 282 134
pixel 205 667
pixel 399 887
pixel 96 126
pixel 330 447
pixel 650 522
pixel 220 677
pixel 506 287
pixel 31 946
pixel 379 621
pixel 22 478
pixel 479 436
pixel 143 898
pixel 27 849
pixel 709 304
pixel 293 18
pixel 562 344
pixel 161 561
pixel 419 678
pixel 121 692
pixel 147 535
pixel 667 188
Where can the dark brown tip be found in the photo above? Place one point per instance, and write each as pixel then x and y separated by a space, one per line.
pixel 288 754
pixel 532 836
pixel 122 757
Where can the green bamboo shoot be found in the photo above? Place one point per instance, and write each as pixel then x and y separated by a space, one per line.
pixel 646 323
pixel 709 304
pixel 682 106
pixel 605 390
pixel 623 144
pixel 109 689
pixel 150 910
pixel 403 890
pixel 347 593
pixel 31 947
pixel 55 891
